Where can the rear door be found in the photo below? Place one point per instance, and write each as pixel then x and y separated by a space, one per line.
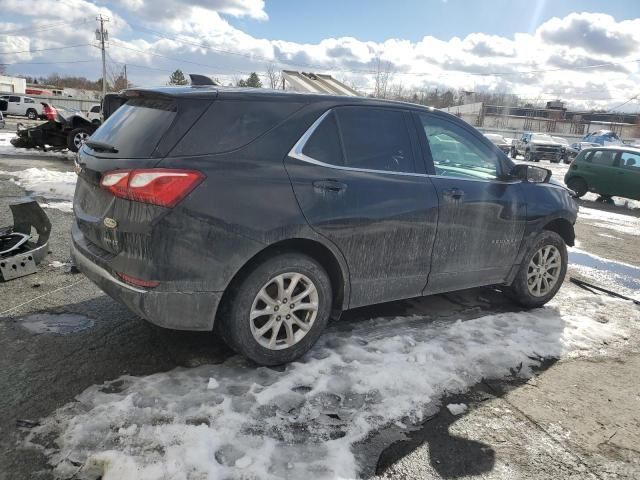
pixel 628 172
pixel 600 171
pixel 482 216
pixel 354 175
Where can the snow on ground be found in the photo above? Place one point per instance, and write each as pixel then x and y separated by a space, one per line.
pixel 7 149
pixel 303 421
pixel 56 187
pixel 617 276
pixel 610 220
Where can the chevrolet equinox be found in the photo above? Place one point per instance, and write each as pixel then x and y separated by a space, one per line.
pixel 261 214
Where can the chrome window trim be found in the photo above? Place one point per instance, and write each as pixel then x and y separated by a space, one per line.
pixel 296 152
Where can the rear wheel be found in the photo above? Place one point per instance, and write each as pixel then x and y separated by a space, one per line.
pixel 278 310
pixel 77 137
pixel 541 273
pixel 606 199
pixel 527 156
pixel 578 185
pixel 32 114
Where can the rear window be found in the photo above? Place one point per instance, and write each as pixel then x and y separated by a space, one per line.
pixel 228 125
pixel 136 127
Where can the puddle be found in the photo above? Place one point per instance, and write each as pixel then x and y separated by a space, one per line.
pixel 607 271
pixel 61 324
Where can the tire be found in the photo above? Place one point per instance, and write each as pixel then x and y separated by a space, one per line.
pixel 242 334
pixel 514 153
pixel 32 114
pixel 523 288
pixel 578 185
pixel 76 138
pixel 527 156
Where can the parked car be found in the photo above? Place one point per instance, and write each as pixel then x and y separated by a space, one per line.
pixel 67 129
pixel 535 147
pixel 577 147
pixel 22 106
pixel 2 122
pixel 261 213
pixel 603 138
pixel 565 150
pixel 608 171
pixel 95 115
pixel 499 141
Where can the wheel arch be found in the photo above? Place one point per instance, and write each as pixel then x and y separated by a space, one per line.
pixel 564 228
pixel 334 265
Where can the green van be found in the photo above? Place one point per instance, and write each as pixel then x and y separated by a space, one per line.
pixel 607 171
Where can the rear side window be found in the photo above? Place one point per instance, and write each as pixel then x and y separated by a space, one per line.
pixel 324 144
pixel 229 125
pixel 136 127
pixel 602 157
pixel 375 139
pixel 95 109
pixel 630 160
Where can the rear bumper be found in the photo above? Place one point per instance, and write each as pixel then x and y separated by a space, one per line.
pixel 176 310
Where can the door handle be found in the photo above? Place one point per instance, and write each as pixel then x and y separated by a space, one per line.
pixel 454 193
pixel 329 185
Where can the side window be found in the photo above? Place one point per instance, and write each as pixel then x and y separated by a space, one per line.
pixel 375 139
pixel 95 109
pixel 324 145
pixel 456 152
pixel 630 160
pixel 28 100
pixel 231 124
pixel 13 99
pixel 602 157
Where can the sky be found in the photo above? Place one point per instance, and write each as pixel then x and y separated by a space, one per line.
pixel 541 50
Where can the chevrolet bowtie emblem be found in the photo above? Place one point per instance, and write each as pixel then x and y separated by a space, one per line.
pixel 110 222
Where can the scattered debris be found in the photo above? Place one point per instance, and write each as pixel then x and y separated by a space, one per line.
pixel 19 253
pixel 590 286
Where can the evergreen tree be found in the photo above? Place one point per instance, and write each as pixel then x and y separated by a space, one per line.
pixel 252 82
pixel 178 78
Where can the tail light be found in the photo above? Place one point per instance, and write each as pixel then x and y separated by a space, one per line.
pixel 137 281
pixel 159 186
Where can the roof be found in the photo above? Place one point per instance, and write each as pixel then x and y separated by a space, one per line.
pixel 617 148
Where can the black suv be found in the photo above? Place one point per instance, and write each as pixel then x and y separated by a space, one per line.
pixel 260 214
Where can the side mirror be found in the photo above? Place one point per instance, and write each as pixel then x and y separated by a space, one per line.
pixel 530 173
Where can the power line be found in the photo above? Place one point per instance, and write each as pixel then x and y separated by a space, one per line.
pixel 40 28
pixel 48 63
pixel 46 49
pixel 624 103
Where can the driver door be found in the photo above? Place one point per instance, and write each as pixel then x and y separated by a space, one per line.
pixel 482 213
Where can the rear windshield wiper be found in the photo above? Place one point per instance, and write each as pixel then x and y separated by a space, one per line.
pixel 101 146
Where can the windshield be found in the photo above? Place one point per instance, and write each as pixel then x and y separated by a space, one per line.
pixel 136 127
pixel 541 137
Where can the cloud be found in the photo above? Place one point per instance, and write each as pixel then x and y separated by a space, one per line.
pixel 166 9
pixel 198 38
pixel 596 33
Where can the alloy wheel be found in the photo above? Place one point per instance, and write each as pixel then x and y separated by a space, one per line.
pixel 544 270
pixel 284 310
pixel 79 139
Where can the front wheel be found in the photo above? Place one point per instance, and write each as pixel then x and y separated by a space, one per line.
pixel 278 311
pixel 77 137
pixel 541 273
pixel 527 156
pixel 578 185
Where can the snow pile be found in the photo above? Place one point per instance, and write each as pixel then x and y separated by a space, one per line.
pixel 56 187
pixel 302 421
pixel 627 224
pixel 7 149
pixel 617 276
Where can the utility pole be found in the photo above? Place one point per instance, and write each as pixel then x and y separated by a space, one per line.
pixel 126 81
pixel 102 36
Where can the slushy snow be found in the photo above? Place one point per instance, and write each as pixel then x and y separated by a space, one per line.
pixel 55 187
pixel 303 421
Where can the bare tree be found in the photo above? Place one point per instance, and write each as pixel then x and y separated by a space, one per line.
pixel 384 75
pixel 274 76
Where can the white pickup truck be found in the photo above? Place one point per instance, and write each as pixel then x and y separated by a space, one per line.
pixel 21 105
